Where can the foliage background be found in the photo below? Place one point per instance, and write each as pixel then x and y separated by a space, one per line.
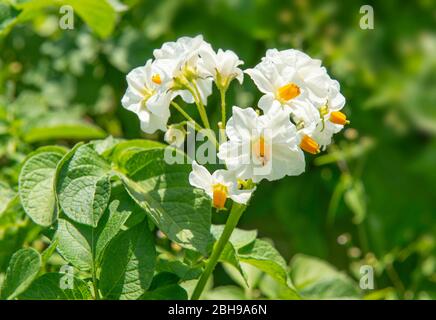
pixel 369 200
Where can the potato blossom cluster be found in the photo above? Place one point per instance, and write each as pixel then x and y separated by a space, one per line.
pixel 300 111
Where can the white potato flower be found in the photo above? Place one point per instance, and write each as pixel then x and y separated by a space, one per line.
pixel 147 95
pixel 297 84
pixel 310 76
pixel 219 186
pixel 281 86
pixel 261 147
pixel 332 119
pixel 223 66
pixel 182 60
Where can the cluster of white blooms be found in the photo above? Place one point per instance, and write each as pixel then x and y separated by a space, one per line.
pixel 184 68
pixel 301 111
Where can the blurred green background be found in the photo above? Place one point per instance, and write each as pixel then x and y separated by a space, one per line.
pixel 370 199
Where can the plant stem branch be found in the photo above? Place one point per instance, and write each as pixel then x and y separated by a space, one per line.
pixel 200 106
pixel 232 221
pixel 223 107
pixel 94 284
pixel 186 115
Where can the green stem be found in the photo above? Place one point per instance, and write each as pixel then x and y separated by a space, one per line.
pixel 186 115
pixel 94 283
pixel 223 108
pixel 222 125
pixel 200 106
pixel 197 127
pixel 232 221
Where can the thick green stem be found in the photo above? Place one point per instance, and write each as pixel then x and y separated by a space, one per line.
pixel 232 221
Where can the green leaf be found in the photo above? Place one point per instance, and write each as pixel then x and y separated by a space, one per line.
pixel 316 279
pixel 262 255
pixel 7 195
pixel 182 212
pixel 120 209
pixel 74 244
pixel 183 271
pixel 239 238
pixel 84 246
pixel 48 287
pixel 226 293
pixel 22 270
pixel 8 17
pixel 36 185
pixel 118 151
pixel 165 287
pixel 99 15
pixel 83 185
pixel 275 290
pixel 73 131
pixel 128 264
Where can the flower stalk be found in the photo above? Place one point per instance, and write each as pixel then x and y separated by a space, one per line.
pixel 232 221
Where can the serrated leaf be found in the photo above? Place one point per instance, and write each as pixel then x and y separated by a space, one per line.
pixel 22 270
pixel 83 185
pixel 262 255
pixel 182 212
pixel 36 185
pixel 128 264
pixel 48 287
pixel 316 279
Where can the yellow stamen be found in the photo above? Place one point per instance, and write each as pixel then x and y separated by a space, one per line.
pixel 339 118
pixel 288 91
pixel 219 195
pixel 309 145
pixel 156 78
pixel 324 110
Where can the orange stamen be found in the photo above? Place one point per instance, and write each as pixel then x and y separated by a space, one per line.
pixel 288 91
pixel 219 196
pixel 338 117
pixel 156 78
pixel 309 145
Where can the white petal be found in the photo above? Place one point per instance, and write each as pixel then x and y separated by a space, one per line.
pixel 262 83
pixel 241 196
pixel 201 178
pixel 242 123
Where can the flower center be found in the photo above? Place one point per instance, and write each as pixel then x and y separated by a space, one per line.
pixel 146 93
pixel 288 91
pixel 219 195
pixel 156 78
pixel 338 117
pixel 309 145
pixel 260 149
